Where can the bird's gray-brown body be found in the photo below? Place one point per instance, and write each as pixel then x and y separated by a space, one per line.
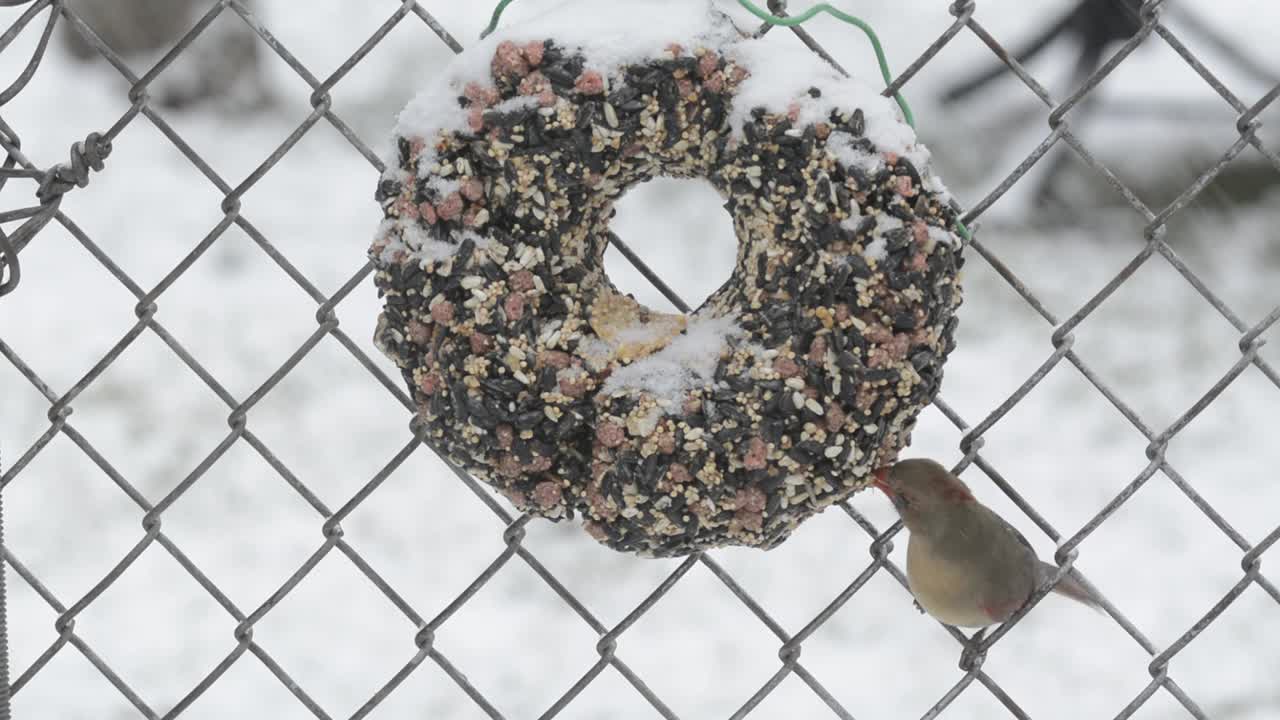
pixel 965 564
pixel 971 573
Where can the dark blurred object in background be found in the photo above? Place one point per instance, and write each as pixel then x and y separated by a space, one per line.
pixel 1095 24
pixel 1091 28
pixel 221 66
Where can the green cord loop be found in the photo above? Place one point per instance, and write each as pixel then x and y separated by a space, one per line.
pixel 842 16
pixel 793 21
pixel 493 21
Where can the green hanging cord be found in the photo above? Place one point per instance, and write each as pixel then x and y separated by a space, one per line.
pixel 493 21
pixel 793 21
pixel 842 16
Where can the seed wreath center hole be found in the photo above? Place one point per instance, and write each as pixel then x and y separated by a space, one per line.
pixel 680 230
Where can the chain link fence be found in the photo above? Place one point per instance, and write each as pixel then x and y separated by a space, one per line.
pixel 22 177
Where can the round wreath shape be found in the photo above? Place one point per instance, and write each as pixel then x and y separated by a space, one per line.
pixel 667 433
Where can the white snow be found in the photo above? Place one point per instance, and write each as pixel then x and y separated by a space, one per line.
pixel 876 250
pixel 441 185
pixel 433 110
pixel 1064 448
pixel 781 76
pixel 688 362
pixel 520 102
pixel 588 26
pixel 407 236
pixel 937 234
pixel 886 222
pixel 840 144
pixel 780 81
pixel 593 27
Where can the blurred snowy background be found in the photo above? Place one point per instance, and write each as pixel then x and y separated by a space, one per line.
pixel 1064 447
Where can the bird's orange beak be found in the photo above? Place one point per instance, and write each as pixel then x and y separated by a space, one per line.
pixel 881 480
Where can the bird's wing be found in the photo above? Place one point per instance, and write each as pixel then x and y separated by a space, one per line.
pixel 1021 538
pixel 1001 522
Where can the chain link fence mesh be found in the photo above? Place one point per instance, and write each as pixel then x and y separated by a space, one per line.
pixel 23 178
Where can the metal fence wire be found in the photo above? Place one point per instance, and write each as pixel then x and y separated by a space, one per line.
pixel 91 154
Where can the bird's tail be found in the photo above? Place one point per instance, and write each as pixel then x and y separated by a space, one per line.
pixel 1072 585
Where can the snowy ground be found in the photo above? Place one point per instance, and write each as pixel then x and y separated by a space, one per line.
pixel 1064 447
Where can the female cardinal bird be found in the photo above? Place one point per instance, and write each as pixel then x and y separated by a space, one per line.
pixel 965 564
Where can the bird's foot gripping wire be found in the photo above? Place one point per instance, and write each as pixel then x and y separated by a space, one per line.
pixel 974 654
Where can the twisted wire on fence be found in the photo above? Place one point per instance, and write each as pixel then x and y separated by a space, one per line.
pixel 89 154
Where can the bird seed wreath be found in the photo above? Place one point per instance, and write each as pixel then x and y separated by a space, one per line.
pixel 667 433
